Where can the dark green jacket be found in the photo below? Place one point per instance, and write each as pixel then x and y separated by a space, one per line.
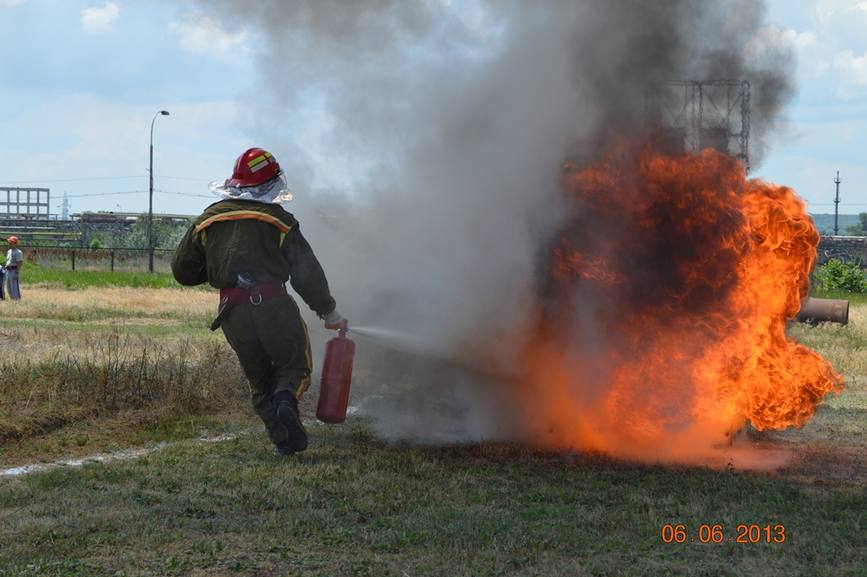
pixel 261 241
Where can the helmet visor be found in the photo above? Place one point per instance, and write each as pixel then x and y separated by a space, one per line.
pixel 274 191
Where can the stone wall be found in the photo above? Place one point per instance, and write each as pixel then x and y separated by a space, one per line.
pixel 845 248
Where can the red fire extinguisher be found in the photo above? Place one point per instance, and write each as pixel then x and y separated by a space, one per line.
pixel 336 378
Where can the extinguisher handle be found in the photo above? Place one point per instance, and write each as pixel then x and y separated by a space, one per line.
pixel 342 332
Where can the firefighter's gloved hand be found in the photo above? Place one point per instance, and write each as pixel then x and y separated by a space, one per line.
pixel 335 322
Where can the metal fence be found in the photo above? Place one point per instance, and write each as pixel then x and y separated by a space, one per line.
pixel 101 259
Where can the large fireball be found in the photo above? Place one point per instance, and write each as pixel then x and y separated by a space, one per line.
pixel 662 328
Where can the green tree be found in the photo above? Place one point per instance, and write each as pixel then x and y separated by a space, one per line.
pixel 859 229
pixel 165 234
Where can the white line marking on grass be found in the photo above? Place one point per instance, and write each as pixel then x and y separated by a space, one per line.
pixel 126 454
pixel 122 455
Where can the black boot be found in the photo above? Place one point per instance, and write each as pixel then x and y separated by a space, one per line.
pixel 295 439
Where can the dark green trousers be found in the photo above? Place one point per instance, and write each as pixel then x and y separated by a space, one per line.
pixel 273 347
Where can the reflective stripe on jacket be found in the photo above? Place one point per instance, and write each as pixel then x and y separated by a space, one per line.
pixel 261 241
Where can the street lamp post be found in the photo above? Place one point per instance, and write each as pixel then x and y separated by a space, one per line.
pixel 151 195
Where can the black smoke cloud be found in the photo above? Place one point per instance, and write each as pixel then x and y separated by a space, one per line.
pixel 431 184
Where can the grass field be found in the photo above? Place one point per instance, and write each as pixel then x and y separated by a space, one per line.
pixel 33 274
pixel 112 368
pixel 854 298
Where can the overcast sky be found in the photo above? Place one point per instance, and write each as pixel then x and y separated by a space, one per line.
pixel 80 82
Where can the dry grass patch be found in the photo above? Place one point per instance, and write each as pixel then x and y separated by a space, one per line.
pixel 85 358
pixel 51 344
pixel 53 382
pixel 831 449
pixel 116 302
pixel 845 347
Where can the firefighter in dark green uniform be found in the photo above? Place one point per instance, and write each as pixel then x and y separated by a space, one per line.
pixel 248 246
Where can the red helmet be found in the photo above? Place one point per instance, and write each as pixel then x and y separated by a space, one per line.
pixel 254 167
pixel 12 240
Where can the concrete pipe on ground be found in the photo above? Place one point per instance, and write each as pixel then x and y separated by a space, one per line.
pixel 816 311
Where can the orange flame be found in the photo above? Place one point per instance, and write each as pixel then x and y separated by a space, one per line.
pixel 664 324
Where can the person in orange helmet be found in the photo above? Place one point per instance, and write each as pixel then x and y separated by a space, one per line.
pixel 14 262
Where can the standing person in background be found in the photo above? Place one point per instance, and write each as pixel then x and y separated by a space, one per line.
pixel 248 246
pixel 14 262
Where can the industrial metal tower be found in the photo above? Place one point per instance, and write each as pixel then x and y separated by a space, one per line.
pixel 706 114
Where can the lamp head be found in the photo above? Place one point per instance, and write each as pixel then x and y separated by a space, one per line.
pixel 164 112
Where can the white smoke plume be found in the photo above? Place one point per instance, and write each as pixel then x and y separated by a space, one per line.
pixel 423 141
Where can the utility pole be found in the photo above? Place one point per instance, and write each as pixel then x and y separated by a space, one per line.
pixel 837 181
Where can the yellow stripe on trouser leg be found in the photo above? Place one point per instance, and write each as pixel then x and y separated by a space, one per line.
pixel 305 381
